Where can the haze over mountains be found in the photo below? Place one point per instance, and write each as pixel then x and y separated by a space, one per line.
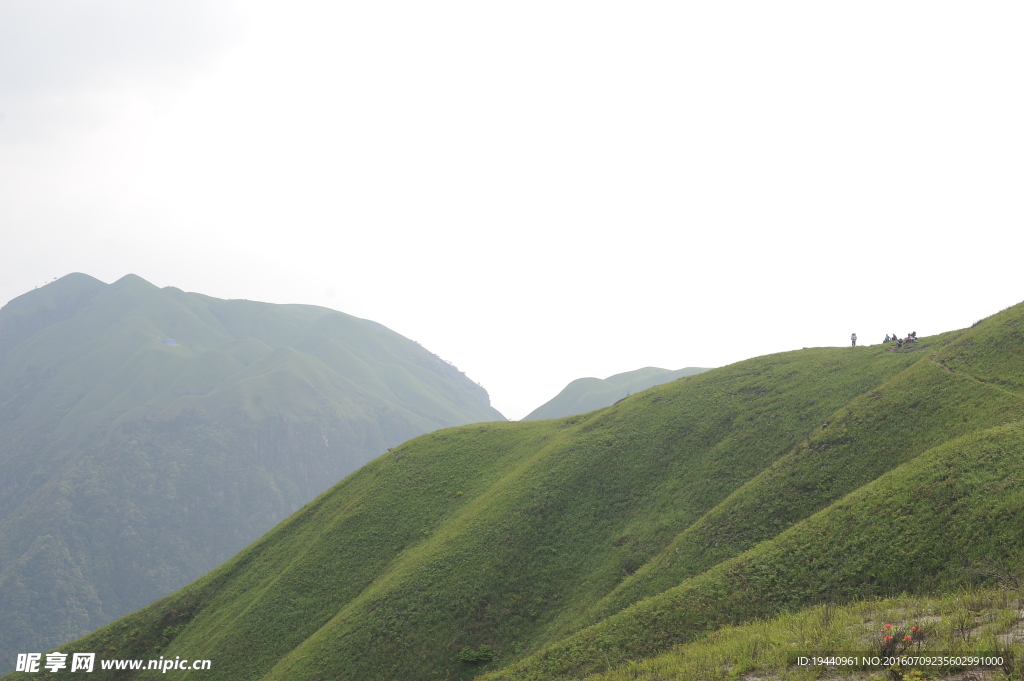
pixel 147 434
pixel 568 547
pixel 588 394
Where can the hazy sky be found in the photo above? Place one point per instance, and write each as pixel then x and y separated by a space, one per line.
pixel 536 191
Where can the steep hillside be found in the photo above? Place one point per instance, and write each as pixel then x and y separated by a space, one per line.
pixel 146 435
pixel 561 548
pixel 588 394
pixel 911 530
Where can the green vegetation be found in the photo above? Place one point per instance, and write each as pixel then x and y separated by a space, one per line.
pixel 588 394
pixel 131 465
pixel 967 623
pixel 907 531
pixel 601 543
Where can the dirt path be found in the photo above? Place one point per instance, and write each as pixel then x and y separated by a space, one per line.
pixel 941 364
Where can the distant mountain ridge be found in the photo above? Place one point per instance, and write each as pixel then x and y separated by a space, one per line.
pixel 588 394
pixel 130 465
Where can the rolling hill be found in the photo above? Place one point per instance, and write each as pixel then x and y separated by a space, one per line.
pixel 588 394
pixel 599 543
pixel 149 434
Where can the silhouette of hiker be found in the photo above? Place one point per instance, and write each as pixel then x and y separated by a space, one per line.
pixel 886 338
pixel 853 340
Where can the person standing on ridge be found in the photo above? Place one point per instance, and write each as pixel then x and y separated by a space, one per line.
pixel 853 340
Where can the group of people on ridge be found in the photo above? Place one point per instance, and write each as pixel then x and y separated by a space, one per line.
pixel 900 342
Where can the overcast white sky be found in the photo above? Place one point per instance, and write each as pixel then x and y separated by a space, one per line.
pixel 536 191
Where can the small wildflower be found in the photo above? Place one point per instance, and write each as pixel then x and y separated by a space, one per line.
pixel 906 638
pixel 888 626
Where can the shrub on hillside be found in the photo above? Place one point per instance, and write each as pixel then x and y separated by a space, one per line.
pixel 481 655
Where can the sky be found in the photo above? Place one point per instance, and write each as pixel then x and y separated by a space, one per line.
pixel 535 191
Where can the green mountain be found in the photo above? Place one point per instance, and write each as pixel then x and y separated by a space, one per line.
pixel 588 394
pixel 147 435
pixel 582 545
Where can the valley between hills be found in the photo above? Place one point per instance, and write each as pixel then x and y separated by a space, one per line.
pixel 698 529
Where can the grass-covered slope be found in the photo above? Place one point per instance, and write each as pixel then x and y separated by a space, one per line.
pixel 568 547
pixel 588 394
pixel 130 465
pixel 961 624
pixel 911 530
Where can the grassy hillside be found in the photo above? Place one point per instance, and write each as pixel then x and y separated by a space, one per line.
pixel 908 531
pixel 576 546
pixel 962 624
pixel 146 435
pixel 588 394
